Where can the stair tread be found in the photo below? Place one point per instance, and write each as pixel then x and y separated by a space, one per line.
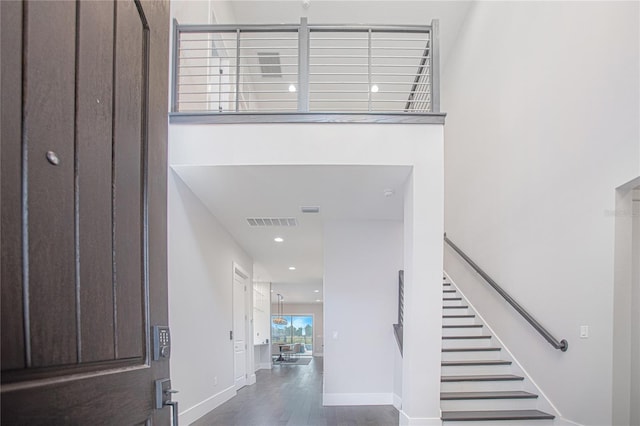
pixel 465 337
pixel 456 307
pixel 463 326
pixel 459 316
pixel 488 395
pixel 496 415
pixel 452 298
pixel 482 378
pixel 471 349
pixel 448 291
pixel 475 362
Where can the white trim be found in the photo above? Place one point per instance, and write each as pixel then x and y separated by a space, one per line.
pixel 264 366
pixel 192 414
pixel 397 402
pixel 418 421
pixel 252 379
pixel 357 399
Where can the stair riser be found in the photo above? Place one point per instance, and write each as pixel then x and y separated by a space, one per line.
pixel 506 385
pixel 488 404
pixel 473 370
pixel 466 343
pixel 476 331
pixel 454 302
pixel 458 321
pixel 500 423
pixel 470 356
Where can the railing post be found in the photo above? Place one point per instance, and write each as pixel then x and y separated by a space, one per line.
pixel 369 70
pixel 303 66
pixel 238 70
pixel 435 65
pixel 174 74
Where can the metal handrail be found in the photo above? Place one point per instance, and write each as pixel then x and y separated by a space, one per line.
pixel 563 345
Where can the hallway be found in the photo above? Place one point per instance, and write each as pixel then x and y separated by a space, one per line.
pixel 292 396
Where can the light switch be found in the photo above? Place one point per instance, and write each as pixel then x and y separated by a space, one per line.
pixel 584 331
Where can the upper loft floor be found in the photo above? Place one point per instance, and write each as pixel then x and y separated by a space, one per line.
pixel 305 72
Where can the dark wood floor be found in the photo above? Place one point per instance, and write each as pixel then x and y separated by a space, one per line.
pixel 291 395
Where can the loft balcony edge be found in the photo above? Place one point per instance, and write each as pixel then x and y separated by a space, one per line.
pixel 305 117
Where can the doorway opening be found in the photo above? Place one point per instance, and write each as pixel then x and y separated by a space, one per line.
pixel 297 333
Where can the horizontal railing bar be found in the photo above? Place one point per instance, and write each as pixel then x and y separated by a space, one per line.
pixel 374 28
pixel 367 39
pixel 364 65
pixel 311 56
pixel 234 28
pixel 252 100
pixel 357 73
pixel 563 345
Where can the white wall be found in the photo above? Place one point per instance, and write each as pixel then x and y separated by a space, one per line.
pixel 543 124
pixel 361 264
pixel 418 146
pixel 201 256
pixel 315 309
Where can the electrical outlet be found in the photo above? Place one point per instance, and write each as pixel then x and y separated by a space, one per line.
pixel 584 331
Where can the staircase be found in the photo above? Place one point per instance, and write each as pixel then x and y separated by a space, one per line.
pixel 478 382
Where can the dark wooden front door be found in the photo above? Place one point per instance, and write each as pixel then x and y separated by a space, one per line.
pixel 84 129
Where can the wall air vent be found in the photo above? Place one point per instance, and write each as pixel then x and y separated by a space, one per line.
pixel 270 64
pixel 255 222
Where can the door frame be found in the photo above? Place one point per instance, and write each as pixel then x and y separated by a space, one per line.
pixel 248 322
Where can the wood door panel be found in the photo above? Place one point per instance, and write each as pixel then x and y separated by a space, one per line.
pixel 49 108
pixel 94 171
pixel 83 402
pixel 13 355
pixel 95 227
pixel 129 280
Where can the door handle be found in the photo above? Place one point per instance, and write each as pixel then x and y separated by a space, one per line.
pixel 174 411
pixel 163 398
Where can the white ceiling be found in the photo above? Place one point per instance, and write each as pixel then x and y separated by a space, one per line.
pixel 234 193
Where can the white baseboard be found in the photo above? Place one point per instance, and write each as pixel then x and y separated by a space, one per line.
pixel 357 399
pixel 264 366
pixel 397 402
pixel 192 414
pixel 252 379
pixel 419 421
pixel 318 354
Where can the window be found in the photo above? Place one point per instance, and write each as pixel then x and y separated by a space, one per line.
pixel 298 329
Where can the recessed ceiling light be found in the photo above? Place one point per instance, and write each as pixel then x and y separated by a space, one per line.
pixel 389 193
pixel 318 300
pixel 292 88
pixel 316 291
pixel 292 268
pixel 374 88
pixel 278 239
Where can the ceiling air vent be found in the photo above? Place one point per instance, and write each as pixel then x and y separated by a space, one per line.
pixel 270 64
pixel 271 221
pixel 310 209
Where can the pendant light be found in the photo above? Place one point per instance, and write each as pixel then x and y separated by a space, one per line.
pixel 279 320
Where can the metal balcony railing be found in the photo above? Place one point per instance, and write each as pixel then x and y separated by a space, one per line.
pixel 305 68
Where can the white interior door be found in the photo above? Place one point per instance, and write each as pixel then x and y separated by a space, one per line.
pixel 239 328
